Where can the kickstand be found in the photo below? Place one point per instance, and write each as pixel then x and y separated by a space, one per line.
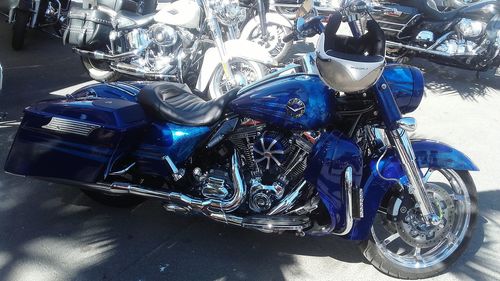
pixel 477 74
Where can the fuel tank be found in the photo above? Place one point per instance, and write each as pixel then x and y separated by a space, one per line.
pixel 296 102
pixel 483 10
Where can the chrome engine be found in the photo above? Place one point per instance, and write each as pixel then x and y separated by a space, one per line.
pixel 273 164
pixel 272 161
pixel 159 44
pixel 462 43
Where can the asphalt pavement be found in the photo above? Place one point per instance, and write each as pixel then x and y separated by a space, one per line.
pixel 53 232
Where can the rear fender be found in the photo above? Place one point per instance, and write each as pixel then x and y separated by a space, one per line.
pixel 243 49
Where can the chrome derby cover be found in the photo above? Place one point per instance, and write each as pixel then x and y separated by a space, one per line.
pixel 346 72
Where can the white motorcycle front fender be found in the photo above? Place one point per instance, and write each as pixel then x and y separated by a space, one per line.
pixel 271 18
pixel 242 49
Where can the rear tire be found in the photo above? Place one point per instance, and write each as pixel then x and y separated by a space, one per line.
pixel 19 29
pixel 113 200
pixel 400 265
pixel 99 70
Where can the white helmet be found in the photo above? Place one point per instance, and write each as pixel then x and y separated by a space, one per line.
pixel 350 64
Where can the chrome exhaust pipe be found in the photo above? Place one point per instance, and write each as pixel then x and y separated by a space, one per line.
pixel 98 55
pixel 184 201
pixel 136 71
pixel 423 50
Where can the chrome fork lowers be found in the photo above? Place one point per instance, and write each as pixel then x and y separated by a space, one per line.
pixel 401 143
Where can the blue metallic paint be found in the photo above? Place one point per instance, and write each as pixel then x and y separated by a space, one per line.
pixel 268 102
pixel 45 153
pixel 331 155
pixel 116 90
pixel 399 90
pixel 168 139
pixel 406 84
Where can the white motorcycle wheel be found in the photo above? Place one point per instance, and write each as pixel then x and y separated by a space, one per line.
pixel 100 70
pixel 411 249
pixel 274 44
pixel 245 72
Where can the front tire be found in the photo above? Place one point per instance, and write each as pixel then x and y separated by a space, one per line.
pixel 392 253
pixel 99 70
pixel 19 29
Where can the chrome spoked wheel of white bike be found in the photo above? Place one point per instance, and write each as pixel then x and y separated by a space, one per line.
pixel 273 43
pixel 410 248
pixel 244 72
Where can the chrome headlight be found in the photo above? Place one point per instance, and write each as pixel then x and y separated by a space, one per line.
pixel 471 28
pixel 228 12
pixel 162 34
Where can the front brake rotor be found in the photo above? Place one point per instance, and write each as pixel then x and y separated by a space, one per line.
pixel 415 232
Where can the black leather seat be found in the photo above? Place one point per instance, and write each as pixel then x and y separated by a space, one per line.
pixel 433 14
pixel 430 12
pixel 176 103
pixel 129 20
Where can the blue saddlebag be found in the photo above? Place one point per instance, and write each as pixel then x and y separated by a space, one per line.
pixel 75 139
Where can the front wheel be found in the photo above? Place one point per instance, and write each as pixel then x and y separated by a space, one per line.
pixel 19 29
pixel 99 70
pixel 411 249
pixel 244 72
pixel 273 43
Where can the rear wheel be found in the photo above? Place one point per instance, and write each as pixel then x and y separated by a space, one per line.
pixel 19 29
pixel 114 200
pixel 409 248
pixel 99 70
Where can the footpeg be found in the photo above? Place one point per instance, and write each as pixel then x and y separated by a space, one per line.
pixel 177 174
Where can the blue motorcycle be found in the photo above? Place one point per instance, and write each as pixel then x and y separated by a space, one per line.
pixel 322 150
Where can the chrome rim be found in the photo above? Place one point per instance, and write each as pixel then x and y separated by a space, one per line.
pixel 274 43
pixel 244 73
pixel 411 244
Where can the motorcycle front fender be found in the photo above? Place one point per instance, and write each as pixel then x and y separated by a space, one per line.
pixel 243 49
pixel 271 18
pixel 429 154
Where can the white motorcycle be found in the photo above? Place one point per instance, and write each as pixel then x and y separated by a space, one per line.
pixel 186 41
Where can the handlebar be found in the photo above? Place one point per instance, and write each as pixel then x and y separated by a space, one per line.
pixel 304 28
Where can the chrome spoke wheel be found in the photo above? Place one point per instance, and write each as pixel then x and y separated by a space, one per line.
pixel 412 248
pixel 244 72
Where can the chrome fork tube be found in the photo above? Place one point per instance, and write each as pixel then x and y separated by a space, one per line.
pixel 401 142
pixel 214 26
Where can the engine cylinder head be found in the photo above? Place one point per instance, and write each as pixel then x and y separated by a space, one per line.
pixel 162 35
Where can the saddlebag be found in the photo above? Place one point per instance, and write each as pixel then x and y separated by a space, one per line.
pixel 87 28
pixel 75 140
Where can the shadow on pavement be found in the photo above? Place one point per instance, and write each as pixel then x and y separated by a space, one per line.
pixel 444 80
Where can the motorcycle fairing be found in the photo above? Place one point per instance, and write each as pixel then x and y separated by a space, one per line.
pixel 331 156
pixel 429 154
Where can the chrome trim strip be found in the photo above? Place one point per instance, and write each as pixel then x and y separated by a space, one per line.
pixel 68 126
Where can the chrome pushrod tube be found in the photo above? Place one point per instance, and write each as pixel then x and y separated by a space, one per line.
pixel 401 142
